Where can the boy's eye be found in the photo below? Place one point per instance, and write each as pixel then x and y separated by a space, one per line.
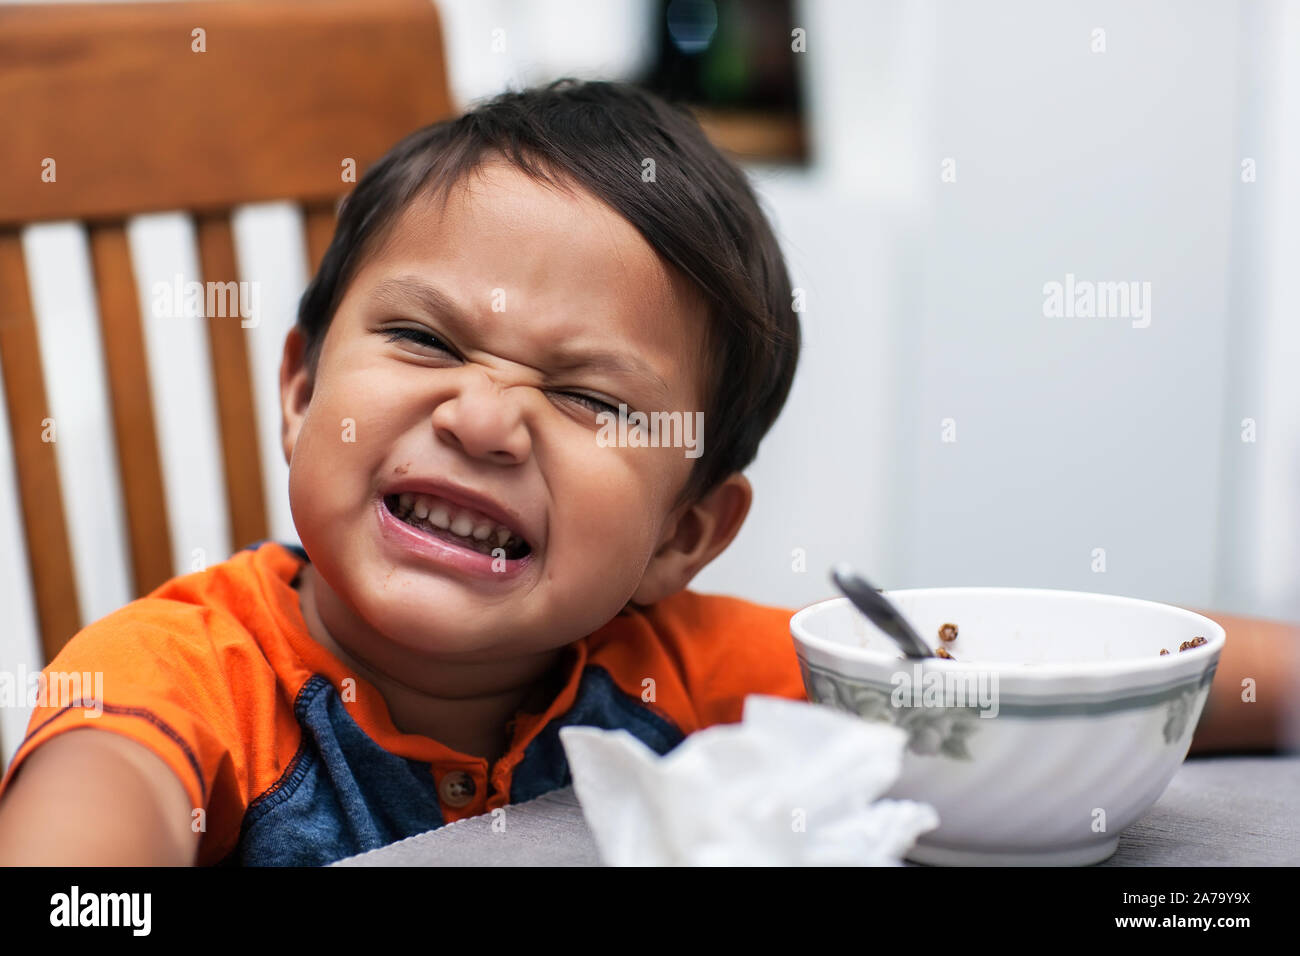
pixel 595 404
pixel 419 336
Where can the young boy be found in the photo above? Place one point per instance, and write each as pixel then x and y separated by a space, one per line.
pixel 481 565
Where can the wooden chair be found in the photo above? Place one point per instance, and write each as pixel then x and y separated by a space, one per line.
pixel 179 106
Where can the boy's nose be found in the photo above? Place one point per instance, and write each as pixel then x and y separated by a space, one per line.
pixel 483 420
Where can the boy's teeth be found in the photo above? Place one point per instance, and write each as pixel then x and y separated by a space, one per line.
pixel 447 517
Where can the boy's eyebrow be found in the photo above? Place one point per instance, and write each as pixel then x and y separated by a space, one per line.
pixel 601 360
pixel 405 291
pixel 401 291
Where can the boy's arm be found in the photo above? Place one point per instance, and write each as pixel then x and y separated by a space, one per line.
pixel 96 798
pixel 1267 652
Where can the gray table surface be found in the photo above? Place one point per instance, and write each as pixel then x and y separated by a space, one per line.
pixel 1217 811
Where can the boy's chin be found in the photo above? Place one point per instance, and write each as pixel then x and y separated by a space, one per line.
pixel 457 633
pixel 433 616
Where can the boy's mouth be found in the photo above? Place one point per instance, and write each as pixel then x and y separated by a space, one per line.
pixel 460 526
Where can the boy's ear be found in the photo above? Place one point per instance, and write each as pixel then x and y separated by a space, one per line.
pixel 295 389
pixel 700 533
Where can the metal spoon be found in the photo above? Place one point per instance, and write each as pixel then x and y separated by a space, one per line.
pixel 879 611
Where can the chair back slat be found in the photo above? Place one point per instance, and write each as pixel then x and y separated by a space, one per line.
pixel 318 222
pixel 127 372
pixel 236 412
pixel 44 523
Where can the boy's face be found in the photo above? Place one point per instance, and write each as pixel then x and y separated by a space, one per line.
pixel 538 278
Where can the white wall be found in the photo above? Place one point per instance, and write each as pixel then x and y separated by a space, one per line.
pixel 1072 434
pixel 1259 553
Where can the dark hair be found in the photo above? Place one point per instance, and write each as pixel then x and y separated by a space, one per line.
pixel 699 214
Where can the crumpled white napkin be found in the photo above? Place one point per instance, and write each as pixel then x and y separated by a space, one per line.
pixel 792 784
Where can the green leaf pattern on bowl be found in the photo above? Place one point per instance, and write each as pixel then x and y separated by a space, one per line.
pixel 1177 713
pixel 931 731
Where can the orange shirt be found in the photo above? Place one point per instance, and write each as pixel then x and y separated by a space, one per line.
pixel 294 760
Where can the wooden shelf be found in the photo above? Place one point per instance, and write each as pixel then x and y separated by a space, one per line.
pixel 763 137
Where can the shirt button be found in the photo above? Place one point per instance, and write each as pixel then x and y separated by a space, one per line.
pixel 456 788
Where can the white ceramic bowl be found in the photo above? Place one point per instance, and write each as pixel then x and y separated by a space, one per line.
pixel 1058 725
